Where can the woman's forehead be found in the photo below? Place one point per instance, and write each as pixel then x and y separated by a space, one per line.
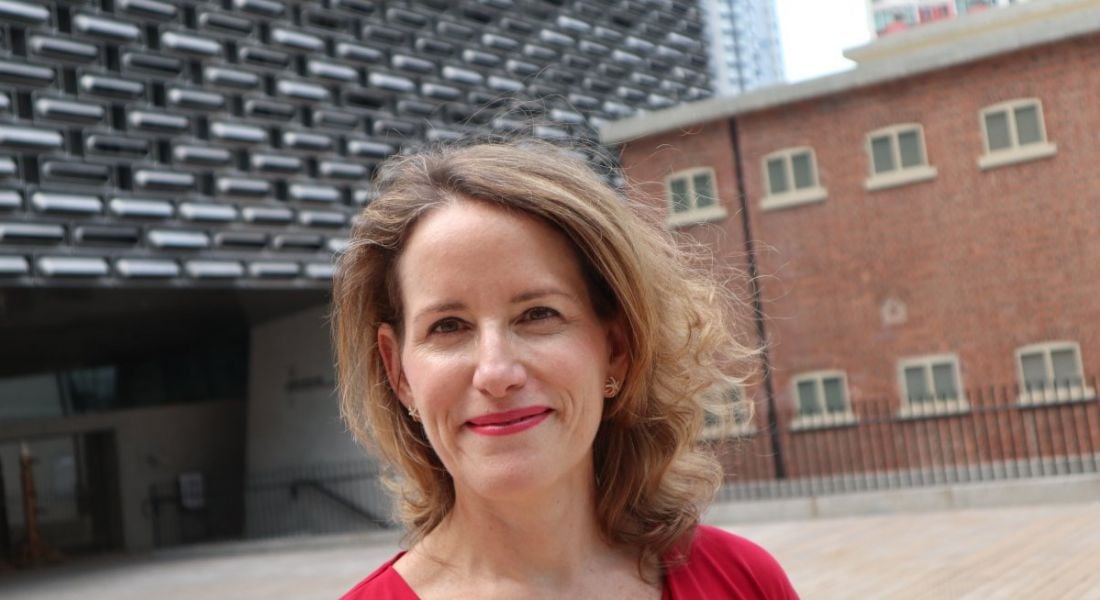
pixel 469 246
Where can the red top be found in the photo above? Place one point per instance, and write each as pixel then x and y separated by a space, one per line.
pixel 721 565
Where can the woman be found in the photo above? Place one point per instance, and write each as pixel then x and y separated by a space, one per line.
pixel 528 355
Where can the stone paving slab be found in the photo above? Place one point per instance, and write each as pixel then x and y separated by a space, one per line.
pixel 1035 552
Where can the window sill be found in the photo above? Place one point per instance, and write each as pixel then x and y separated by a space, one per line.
pixel 1017 154
pixel 721 433
pixel 1072 395
pixel 795 198
pixel 940 408
pixel 695 217
pixel 811 423
pixel 898 178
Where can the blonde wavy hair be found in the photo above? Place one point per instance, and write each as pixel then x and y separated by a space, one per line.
pixel 653 476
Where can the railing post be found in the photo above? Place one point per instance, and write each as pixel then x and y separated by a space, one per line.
pixel 6 553
pixel 152 507
pixel 1093 429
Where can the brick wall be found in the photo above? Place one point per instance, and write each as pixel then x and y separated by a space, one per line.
pixel 646 166
pixel 982 261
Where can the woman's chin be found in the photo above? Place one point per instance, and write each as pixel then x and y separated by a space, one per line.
pixel 503 479
pixel 505 483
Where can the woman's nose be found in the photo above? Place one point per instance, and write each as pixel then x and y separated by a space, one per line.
pixel 499 370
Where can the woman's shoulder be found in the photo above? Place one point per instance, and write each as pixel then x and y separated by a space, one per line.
pixel 385 583
pixel 719 543
pixel 722 564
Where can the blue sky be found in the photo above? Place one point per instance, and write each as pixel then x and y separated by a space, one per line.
pixel 815 32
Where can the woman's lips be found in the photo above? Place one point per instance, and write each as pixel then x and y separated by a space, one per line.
pixel 508 422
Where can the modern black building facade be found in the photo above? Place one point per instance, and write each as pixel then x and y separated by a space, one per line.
pixel 177 176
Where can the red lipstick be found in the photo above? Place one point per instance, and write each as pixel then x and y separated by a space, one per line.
pixel 509 421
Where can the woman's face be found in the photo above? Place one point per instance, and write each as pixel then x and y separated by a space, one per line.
pixel 502 353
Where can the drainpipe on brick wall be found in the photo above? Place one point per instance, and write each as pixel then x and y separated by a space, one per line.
pixel 757 303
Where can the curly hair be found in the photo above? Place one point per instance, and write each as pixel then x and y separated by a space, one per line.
pixel 653 477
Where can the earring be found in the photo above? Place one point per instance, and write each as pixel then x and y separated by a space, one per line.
pixel 611 387
pixel 414 414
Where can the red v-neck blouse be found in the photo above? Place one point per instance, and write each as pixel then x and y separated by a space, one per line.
pixel 720 565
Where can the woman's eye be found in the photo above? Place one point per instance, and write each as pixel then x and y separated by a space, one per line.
pixel 541 312
pixel 448 325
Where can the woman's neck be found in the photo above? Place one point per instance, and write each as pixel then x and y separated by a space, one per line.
pixel 544 544
pixel 549 533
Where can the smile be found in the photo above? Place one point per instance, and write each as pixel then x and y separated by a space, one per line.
pixel 509 422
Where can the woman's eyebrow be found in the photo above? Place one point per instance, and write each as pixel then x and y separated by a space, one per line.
pixel 527 296
pixel 445 306
pixel 535 294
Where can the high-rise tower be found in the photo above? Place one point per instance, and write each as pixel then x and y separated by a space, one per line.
pixel 745 48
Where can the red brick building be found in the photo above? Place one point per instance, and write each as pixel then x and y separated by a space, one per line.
pixel 926 230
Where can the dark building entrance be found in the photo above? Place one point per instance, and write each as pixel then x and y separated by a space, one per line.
pixel 76 493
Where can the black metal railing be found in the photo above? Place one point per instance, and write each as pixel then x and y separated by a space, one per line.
pixel 985 434
pixel 334 498
pixel 323 487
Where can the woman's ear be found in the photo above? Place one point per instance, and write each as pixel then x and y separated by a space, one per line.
pixel 389 346
pixel 618 346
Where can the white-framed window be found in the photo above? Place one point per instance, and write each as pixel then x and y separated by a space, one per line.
pixel 821 400
pixel 791 179
pixel 1014 132
pixel 692 196
pixel 931 385
pixel 897 156
pixel 728 415
pixel 1051 373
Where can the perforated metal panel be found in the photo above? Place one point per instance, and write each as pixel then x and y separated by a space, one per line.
pixel 230 143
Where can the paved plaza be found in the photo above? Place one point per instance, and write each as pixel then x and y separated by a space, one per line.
pixel 1035 552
